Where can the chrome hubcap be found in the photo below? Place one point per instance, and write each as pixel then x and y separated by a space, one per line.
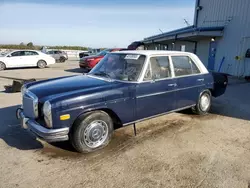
pixel 95 133
pixel 42 64
pixel 204 102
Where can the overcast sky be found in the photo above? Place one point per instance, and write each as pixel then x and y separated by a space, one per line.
pixel 93 23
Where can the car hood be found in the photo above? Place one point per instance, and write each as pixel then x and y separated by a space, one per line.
pixel 48 89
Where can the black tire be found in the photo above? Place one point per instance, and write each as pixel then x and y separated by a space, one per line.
pixel 82 131
pixel 2 66
pixel 41 64
pixel 62 59
pixel 200 108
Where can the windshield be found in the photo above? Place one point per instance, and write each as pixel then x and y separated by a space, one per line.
pixel 125 67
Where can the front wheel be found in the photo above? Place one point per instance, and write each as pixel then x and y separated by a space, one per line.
pixel 91 132
pixel 203 104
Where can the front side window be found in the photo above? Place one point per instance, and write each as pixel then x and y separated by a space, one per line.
pixel 159 68
pixel 184 65
pixel 126 67
pixel 17 53
pixel 50 52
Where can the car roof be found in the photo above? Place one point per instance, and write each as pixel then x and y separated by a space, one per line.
pixel 152 52
pixel 24 50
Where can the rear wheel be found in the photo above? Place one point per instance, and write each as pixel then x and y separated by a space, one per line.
pixel 91 132
pixel 41 64
pixel 62 59
pixel 204 103
pixel 2 66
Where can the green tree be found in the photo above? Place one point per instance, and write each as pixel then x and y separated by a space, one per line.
pixel 30 45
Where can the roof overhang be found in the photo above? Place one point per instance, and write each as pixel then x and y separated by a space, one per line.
pixel 190 33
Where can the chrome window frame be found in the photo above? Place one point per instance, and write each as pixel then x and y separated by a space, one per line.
pixel 148 64
pixel 174 55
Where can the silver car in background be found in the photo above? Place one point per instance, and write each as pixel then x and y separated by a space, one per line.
pixel 60 56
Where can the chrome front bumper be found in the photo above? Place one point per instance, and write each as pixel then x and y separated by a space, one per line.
pixel 49 135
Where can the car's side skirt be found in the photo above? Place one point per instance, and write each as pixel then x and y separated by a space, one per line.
pixel 176 110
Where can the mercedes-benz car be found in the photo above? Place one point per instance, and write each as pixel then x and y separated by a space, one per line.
pixel 124 88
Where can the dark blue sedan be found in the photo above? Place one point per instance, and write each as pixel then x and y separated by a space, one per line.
pixel 124 88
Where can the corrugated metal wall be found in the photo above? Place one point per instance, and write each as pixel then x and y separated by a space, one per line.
pixel 235 15
pixel 202 50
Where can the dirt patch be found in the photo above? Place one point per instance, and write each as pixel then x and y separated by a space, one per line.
pixel 122 139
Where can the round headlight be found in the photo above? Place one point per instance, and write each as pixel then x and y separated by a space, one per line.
pixel 47 108
pixel 47 113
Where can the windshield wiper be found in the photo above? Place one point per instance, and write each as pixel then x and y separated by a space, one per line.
pixel 102 74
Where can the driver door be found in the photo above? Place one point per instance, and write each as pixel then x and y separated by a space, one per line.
pixel 157 93
pixel 15 59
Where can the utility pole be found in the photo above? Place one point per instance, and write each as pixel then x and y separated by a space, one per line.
pixel 160 30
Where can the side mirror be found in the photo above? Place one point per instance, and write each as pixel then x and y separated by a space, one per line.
pixel 8 56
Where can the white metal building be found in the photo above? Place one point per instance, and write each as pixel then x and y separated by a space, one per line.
pixel 220 36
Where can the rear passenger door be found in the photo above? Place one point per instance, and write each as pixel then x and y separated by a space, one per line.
pixel 189 80
pixel 30 58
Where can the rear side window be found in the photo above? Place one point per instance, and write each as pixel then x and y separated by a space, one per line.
pixel 27 53
pixel 184 65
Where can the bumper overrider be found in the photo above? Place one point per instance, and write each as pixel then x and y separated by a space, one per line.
pixel 49 135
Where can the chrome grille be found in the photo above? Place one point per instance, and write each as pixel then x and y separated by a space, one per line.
pixel 29 103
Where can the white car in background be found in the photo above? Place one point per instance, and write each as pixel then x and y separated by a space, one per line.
pixel 25 58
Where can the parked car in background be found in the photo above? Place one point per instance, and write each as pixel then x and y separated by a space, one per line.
pixel 25 58
pixel 89 62
pixel 58 55
pixel 84 54
pixel 89 52
pixel 124 88
pixel 137 45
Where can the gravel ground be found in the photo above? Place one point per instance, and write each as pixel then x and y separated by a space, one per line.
pixel 176 150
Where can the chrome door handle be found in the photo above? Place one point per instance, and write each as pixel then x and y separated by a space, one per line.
pixel 172 85
pixel 200 80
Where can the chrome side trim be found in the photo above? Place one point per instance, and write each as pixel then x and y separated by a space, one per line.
pixel 161 114
pixel 154 94
pixel 160 93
